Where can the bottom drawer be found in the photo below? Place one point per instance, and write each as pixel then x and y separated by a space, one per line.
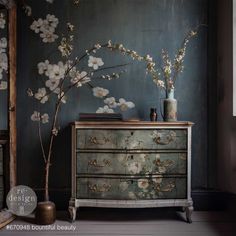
pixel 131 189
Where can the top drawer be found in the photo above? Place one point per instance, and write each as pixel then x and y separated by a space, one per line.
pixel 132 139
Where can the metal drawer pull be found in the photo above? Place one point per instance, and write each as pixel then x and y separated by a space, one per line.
pixel 95 140
pixel 100 189
pixel 169 138
pixel 95 163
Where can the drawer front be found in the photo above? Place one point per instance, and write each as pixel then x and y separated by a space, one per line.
pixel 131 189
pixel 132 139
pixel 131 163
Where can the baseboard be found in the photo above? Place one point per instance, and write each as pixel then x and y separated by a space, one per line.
pixel 204 200
pixel 210 200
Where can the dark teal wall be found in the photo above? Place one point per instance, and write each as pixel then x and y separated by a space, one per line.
pixel 3 93
pixel 146 26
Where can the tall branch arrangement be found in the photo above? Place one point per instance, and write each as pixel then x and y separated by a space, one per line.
pixel 60 78
pixel 169 70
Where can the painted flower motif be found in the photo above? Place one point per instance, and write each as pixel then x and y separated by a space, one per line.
pixel 142 157
pixel 70 27
pixel 45 118
pixel 111 102
pixel 65 47
pixel 56 71
pixel 124 105
pixel 3 44
pixel 41 95
pixel 42 67
pixel 52 84
pixel 35 116
pixel 3 85
pixel 143 183
pixel 30 92
pixel 161 169
pixel 104 109
pixel 148 58
pixel 100 92
pixel 131 195
pixel 46 28
pixel 157 180
pixel 3 62
pixel 134 167
pixel 27 9
pixel 123 186
pixel 79 78
pixel 3 58
pixel 95 62
pixel 2 21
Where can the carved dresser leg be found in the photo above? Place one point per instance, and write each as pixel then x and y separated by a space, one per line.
pixel 72 213
pixel 189 211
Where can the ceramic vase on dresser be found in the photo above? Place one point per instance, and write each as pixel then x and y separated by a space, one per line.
pixel 131 165
pixel 170 106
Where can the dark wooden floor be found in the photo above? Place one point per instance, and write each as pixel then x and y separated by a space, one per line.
pixel 120 222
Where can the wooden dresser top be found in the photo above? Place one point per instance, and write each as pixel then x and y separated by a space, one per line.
pixel 132 123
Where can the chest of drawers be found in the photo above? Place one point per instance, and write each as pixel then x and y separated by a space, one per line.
pixel 131 164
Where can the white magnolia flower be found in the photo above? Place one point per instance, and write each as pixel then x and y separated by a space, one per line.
pixel 41 95
pixel 35 116
pixel 3 85
pixel 45 118
pixel 52 84
pixel 104 109
pixel 79 78
pixel 100 92
pixel 143 183
pixel 124 105
pixel 42 67
pixel 46 28
pixel 135 167
pixel 48 37
pixel 111 102
pixel 56 71
pixel 95 62
pixel 2 21
pixel 3 44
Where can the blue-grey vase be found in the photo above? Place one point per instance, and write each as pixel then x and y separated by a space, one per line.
pixel 170 106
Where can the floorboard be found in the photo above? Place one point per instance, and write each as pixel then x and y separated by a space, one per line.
pixel 134 222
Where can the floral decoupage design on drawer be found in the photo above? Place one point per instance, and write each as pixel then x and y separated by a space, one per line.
pixel 153 163
pixel 148 188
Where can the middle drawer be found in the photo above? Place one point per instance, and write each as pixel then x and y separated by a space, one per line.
pixel 131 163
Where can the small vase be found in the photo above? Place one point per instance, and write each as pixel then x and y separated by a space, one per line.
pixel 45 213
pixel 170 106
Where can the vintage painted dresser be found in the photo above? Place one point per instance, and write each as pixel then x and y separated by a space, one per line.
pixel 131 165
